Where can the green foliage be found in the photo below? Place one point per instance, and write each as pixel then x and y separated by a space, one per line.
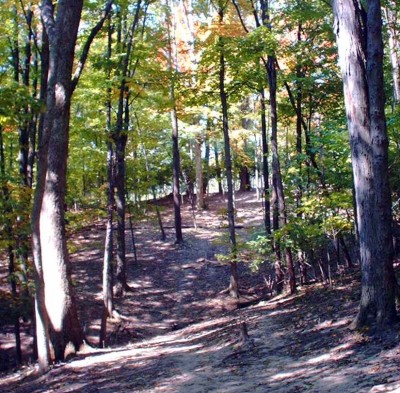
pixel 80 219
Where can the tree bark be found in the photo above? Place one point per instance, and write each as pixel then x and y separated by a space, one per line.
pixel 120 137
pixel 54 298
pixel 234 280
pixel 41 317
pixel 59 295
pixel 108 299
pixel 265 166
pixel 359 39
pixel 176 166
pixel 199 175
pixel 391 15
pixel 276 170
pixel 218 169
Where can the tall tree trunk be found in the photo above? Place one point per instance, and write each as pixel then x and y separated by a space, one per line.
pixel 176 166
pixel 108 300
pixel 391 15
pixel 265 167
pixel 276 170
pixel 359 39
pixel 199 174
pixel 41 317
pixel 9 237
pixel 54 297
pixel 234 280
pixel 120 136
pixel 59 293
pixel 206 177
pixel 299 119
pixel 218 169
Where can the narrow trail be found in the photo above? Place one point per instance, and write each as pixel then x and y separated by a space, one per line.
pixel 179 334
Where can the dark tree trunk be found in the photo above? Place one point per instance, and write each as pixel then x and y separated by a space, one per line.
pixel 265 171
pixel 200 201
pixel 176 174
pixel 120 275
pixel 176 165
pixel 277 185
pixel 299 119
pixel 234 281
pixel 206 177
pixel 276 170
pixel 120 137
pixel 218 169
pixel 245 179
pixel 346 253
pixel 359 39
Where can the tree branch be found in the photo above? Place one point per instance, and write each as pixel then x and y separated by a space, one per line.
pixel 88 43
pixel 240 15
pixel 28 21
pixel 47 11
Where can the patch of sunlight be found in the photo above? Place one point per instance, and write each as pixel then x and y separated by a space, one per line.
pixel 335 354
pixel 336 382
pixel 342 347
pixel 140 354
pixel 322 358
pixel 331 324
pixel 300 372
pixel 281 312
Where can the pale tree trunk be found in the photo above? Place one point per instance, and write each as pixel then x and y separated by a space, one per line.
pixel 359 40
pixel 234 280
pixel 391 16
pixel 59 294
pixel 41 319
pixel 108 300
pixel 55 299
pixel 188 10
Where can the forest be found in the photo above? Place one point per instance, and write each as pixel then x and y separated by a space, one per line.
pixel 199 195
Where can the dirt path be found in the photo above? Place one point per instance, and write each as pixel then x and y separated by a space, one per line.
pixel 180 335
pixel 206 357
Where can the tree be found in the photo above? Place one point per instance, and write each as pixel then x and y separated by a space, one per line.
pixel 56 312
pixel 391 15
pixel 279 212
pixel 120 138
pixel 176 167
pixel 234 280
pixel 359 40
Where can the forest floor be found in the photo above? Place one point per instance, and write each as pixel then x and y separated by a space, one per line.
pixel 179 333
